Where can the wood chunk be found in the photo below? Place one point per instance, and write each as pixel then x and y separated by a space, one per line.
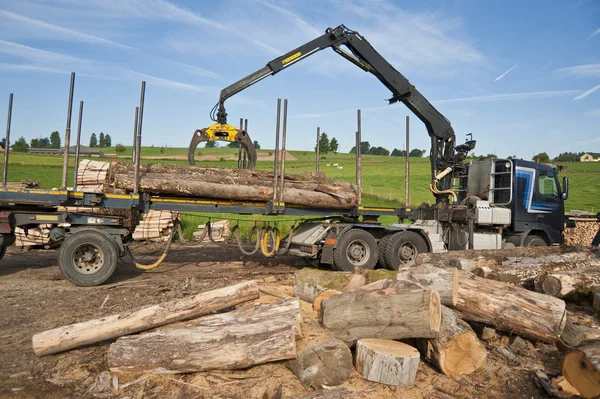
pixel 581 367
pixel 226 341
pixel 596 301
pixel 91 331
pixel 358 279
pixel 488 334
pixel 393 313
pixel 571 337
pixel 322 359
pixel 509 308
pixel 387 362
pixel 321 297
pixel 517 344
pixel 457 350
pixel 445 281
pixel 569 283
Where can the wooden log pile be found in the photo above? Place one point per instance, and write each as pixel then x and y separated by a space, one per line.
pixel 33 236
pixel 219 231
pixel 312 190
pixel 156 226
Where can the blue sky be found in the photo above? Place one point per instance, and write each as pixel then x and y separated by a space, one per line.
pixel 522 76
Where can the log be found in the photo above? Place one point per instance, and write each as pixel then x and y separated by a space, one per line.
pixel 596 301
pixel 328 197
pixel 457 350
pixel 387 362
pixel 321 297
pixel 322 359
pixel 92 331
pixel 228 341
pixel 445 281
pixel 581 367
pixel 393 313
pixel 309 282
pixel 509 308
pixel 570 283
pixel 571 337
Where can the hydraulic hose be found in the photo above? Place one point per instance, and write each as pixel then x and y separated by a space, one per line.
pixel 255 230
pixel 162 257
pixel 275 237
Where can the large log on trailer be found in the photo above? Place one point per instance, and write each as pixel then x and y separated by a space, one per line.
pixel 569 283
pixel 581 367
pixel 445 281
pixel 387 362
pixel 323 360
pixel 227 341
pixel 457 350
pixel 310 282
pixel 509 308
pixel 393 313
pixel 92 331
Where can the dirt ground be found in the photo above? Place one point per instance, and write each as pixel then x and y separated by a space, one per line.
pixel 34 297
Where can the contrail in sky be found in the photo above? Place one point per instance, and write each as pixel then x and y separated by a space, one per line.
pixel 504 74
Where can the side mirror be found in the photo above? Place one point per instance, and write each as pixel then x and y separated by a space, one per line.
pixel 565 188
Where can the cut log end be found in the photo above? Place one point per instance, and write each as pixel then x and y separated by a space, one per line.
pixel 582 373
pixel 387 362
pixel 454 294
pixel 551 286
pixel 463 355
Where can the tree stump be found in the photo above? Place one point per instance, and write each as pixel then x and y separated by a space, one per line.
pixel 387 362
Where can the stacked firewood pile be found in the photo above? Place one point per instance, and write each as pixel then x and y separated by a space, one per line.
pixel 380 323
pixel 219 231
pixel 156 226
pixel 33 236
pixel 312 190
pixel 582 234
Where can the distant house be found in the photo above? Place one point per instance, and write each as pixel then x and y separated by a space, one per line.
pixel 83 151
pixel 590 157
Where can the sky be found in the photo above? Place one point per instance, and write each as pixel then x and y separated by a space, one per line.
pixel 522 76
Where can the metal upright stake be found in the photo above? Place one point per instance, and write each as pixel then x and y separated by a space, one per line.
pixel 244 152
pixel 135 129
pixel 283 134
pixel 138 141
pixel 77 146
pixel 407 176
pixel 276 157
pixel 240 145
pixel 7 141
pixel 68 133
pixel 358 160
pixel 317 150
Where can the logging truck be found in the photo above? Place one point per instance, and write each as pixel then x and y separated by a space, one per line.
pixel 481 204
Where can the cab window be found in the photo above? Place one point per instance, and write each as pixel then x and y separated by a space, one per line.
pixel 547 185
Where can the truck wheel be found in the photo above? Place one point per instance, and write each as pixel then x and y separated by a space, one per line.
pixel 382 245
pixel 88 258
pixel 403 248
pixel 356 248
pixel 534 241
pixel 2 252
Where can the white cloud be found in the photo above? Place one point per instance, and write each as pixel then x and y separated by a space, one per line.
pixel 587 93
pixel 173 84
pixel 593 112
pixel 4 66
pixel 581 71
pixel 504 74
pixel 595 33
pixel 68 34
pixel 37 55
pixel 295 18
pixel 512 96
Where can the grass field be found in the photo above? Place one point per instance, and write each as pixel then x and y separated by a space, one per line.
pixel 383 177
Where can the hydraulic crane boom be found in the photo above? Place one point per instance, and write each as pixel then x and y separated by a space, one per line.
pixel 444 153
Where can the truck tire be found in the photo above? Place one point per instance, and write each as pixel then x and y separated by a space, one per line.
pixel 382 245
pixel 2 252
pixel 403 248
pixel 88 258
pixel 356 248
pixel 534 241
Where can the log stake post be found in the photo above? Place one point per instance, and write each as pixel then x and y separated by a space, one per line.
pixel 358 160
pixel 240 165
pixel 276 156
pixel 138 141
pixel 135 128
pixel 7 141
pixel 77 146
pixel 407 176
pixel 68 133
pixel 317 149
pixel 244 162
pixel 283 136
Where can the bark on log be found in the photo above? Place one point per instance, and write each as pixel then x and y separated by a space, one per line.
pixel 445 281
pixel 596 301
pixel 393 313
pixel 92 331
pixel 309 282
pixel 569 284
pixel 509 308
pixel 457 350
pixel 321 297
pixel 322 359
pixel 227 341
pixel 387 362
pixel 571 337
pixel 581 367
pixel 322 196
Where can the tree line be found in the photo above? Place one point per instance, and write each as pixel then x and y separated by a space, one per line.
pixel 54 141
pixel 366 149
